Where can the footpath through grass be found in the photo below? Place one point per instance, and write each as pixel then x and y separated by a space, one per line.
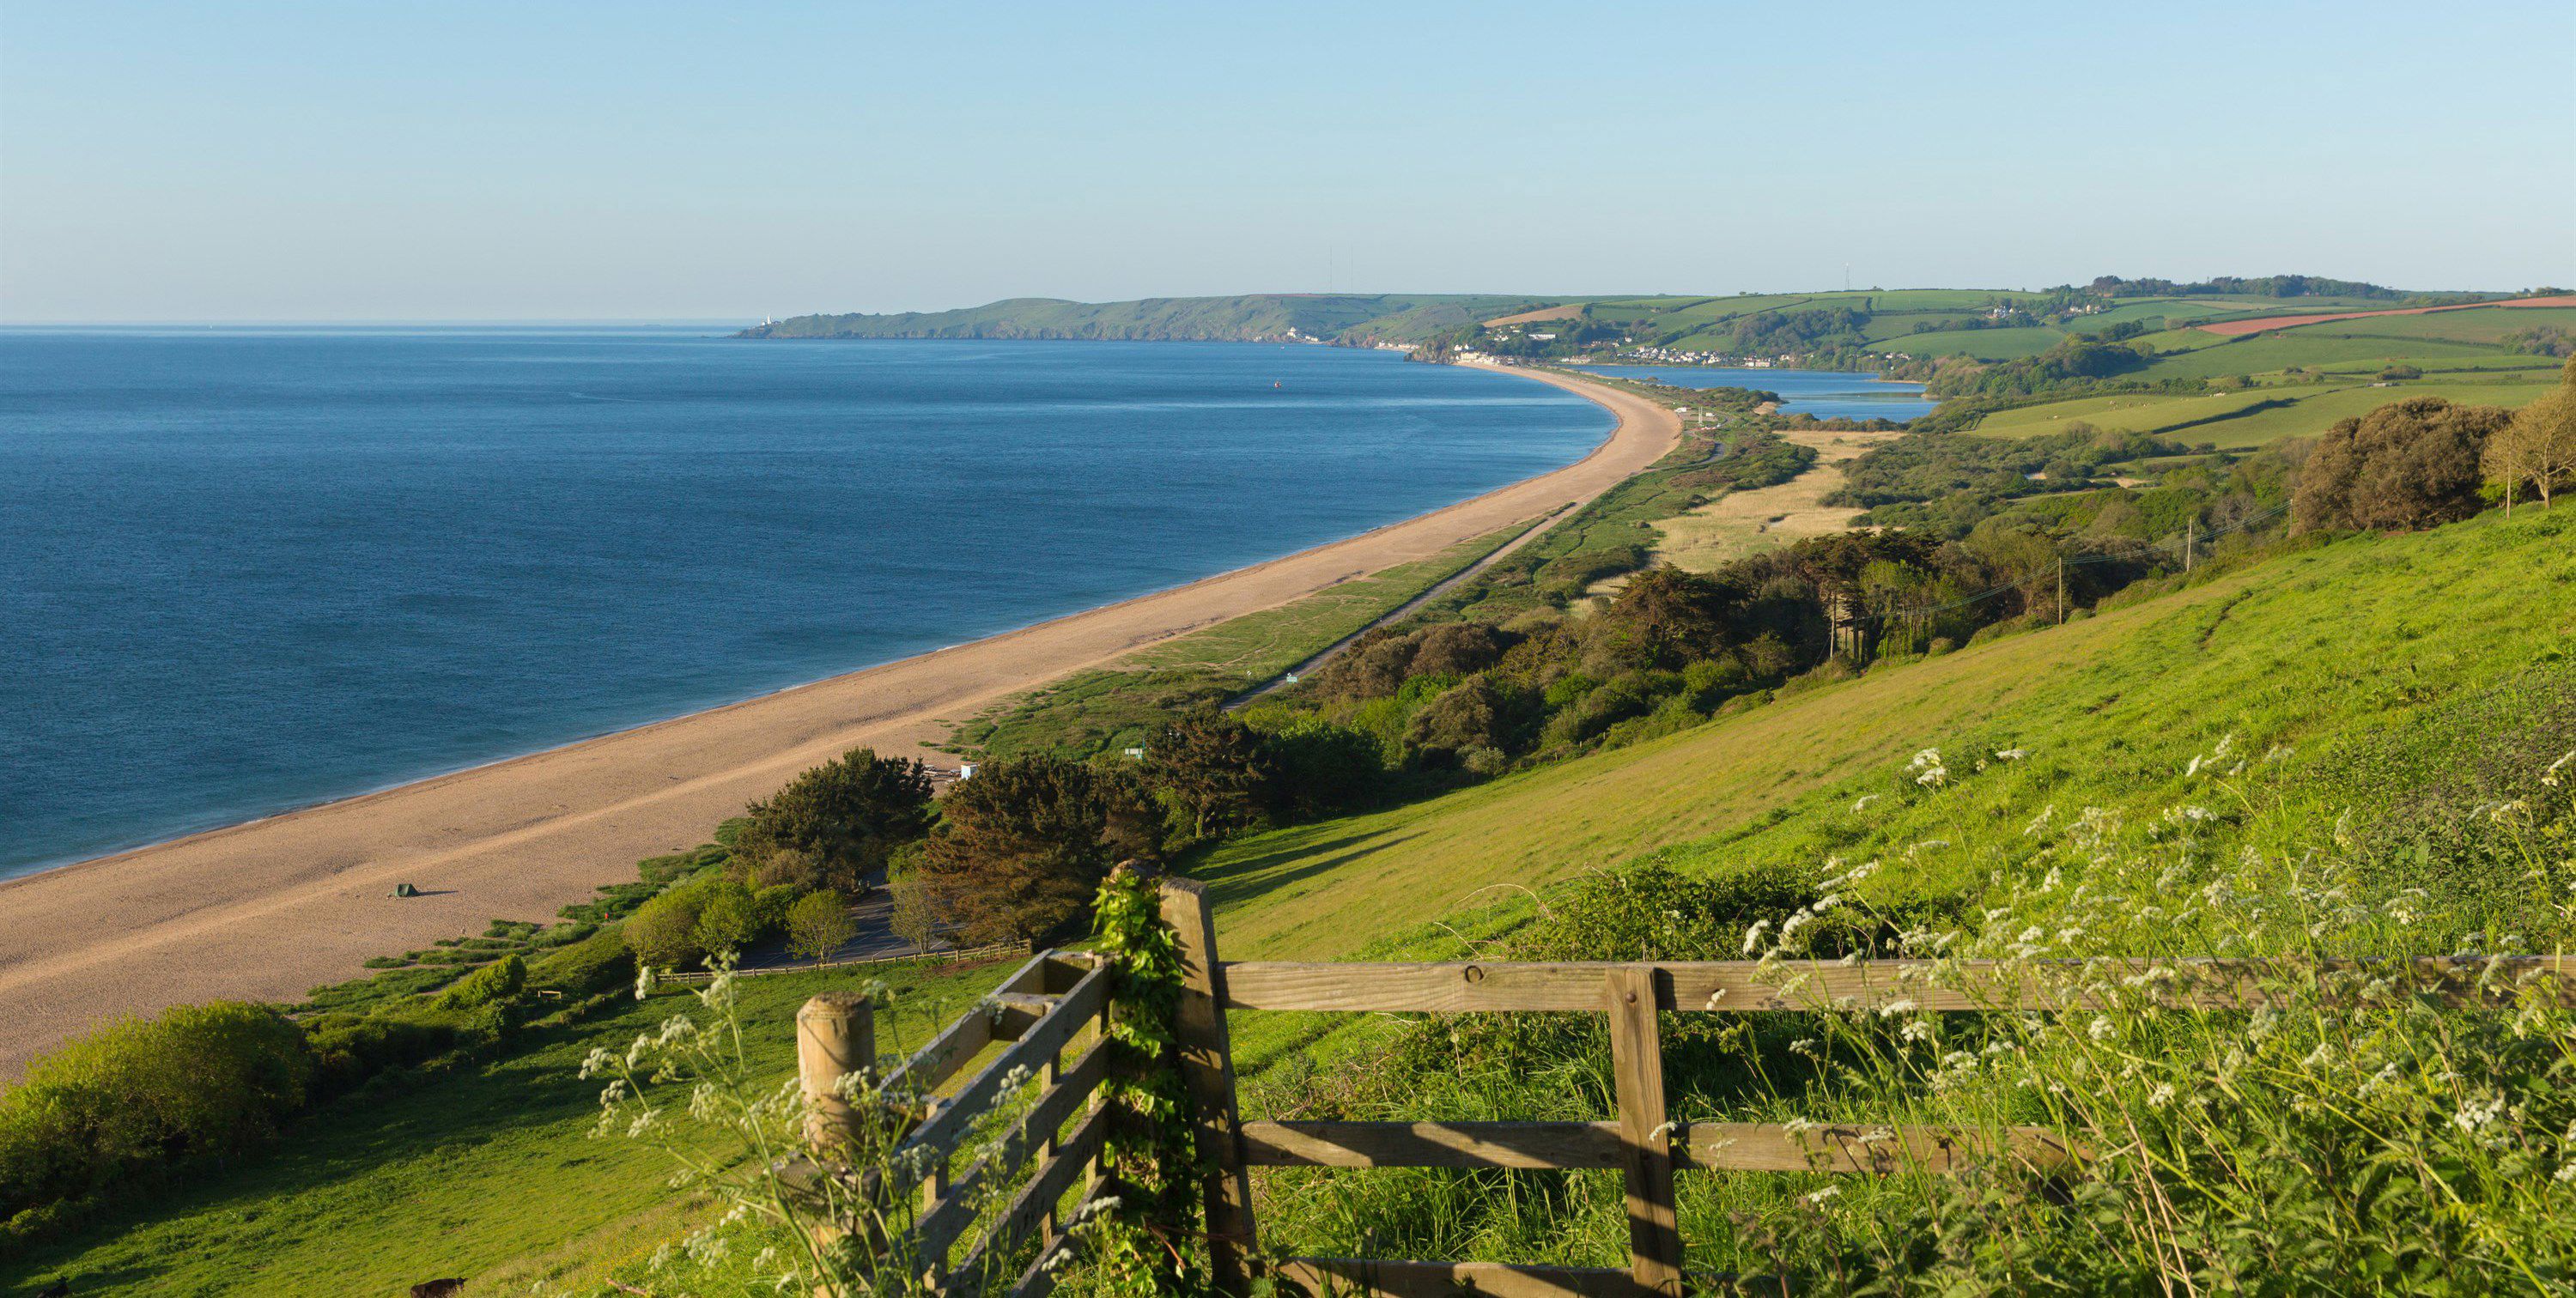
pixel 489 1173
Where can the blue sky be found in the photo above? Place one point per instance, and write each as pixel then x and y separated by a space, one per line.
pixel 465 160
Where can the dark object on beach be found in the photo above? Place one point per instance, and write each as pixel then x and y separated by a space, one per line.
pixel 437 1288
pixel 406 890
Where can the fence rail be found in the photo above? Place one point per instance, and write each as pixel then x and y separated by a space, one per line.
pixel 1045 1008
pixel 1042 1009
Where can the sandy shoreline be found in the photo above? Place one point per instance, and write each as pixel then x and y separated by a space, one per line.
pixel 268 909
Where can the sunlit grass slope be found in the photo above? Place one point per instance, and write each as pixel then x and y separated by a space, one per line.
pixel 2294 650
pixel 489 1172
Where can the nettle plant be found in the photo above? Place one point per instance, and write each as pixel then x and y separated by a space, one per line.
pixel 2341 1123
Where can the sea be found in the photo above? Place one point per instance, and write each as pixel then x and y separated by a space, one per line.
pixel 1826 394
pixel 244 570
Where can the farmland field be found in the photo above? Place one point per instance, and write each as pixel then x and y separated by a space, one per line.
pixel 2250 418
pixel 2273 353
pixel 1983 344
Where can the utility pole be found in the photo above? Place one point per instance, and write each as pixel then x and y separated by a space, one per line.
pixel 2061 590
pixel 2190 541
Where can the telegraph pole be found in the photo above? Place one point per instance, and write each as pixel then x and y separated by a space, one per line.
pixel 2190 541
pixel 2061 590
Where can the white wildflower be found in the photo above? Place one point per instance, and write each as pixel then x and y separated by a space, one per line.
pixel 1863 804
pixel 2161 1096
pixel 1820 1196
pixel 2477 1114
pixel 2551 776
pixel 2011 754
pixel 2102 1029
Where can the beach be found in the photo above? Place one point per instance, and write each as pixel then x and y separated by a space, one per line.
pixel 269 909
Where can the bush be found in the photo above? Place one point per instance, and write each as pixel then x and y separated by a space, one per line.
pixel 496 983
pixel 200 1079
pixel 729 919
pixel 348 1049
pixel 594 964
pixel 818 924
pixel 663 932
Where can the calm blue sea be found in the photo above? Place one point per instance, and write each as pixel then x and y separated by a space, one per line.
pixel 245 570
pixel 1822 393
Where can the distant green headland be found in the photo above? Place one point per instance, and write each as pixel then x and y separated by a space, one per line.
pixel 1350 319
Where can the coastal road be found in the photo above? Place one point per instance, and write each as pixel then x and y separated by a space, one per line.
pixel 269 909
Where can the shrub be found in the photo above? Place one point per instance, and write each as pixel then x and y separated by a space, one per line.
pixel 663 932
pixel 493 984
pixel 728 920
pixel 200 1079
pixel 595 963
pixel 818 924
pixel 1325 767
pixel 348 1049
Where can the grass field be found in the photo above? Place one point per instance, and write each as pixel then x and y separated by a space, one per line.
pixel 1983 344
pixel 2292 651
pixel 2273 353
pixel 2484 325
pixel 2253 417
pixel 488 1173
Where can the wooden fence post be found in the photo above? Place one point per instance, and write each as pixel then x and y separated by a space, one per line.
pixel 1636 1061
pixel 1207 1069
pixel 836 1035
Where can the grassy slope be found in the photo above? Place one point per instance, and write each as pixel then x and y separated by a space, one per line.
pixel 2287 651
pixel 489 1173
pixel 2253 417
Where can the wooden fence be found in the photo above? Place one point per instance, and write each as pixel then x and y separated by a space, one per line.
pixel 1044 1006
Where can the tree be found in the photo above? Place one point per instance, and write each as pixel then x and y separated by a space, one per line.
pixel 1216 772
pixel 1474 714
pixel 818 924
pixel 2408 464
pixel 729 921
pixel 1025 844
pixel 1663 618
pixel 663 932
pixel 849 813
pixel 2537 449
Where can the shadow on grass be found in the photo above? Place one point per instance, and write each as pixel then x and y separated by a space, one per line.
pixel 1254 877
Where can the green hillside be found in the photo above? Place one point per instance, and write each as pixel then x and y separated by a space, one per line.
pixel 2301 651
pixel 1259 317
pixel 2352 749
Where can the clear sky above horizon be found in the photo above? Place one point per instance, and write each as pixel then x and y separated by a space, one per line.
pixel 488 161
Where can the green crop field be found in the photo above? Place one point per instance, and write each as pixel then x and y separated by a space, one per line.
pixel 1983 344
pixel 2252 417
pixel 2273 353
pixel 2485 325
pixel 489 1172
